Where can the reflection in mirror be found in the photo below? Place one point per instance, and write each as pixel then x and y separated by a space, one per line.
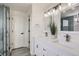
pixel 70 19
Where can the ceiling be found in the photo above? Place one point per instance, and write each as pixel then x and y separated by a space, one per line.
pixel 26 6
pixel 47 6
pixel 19 6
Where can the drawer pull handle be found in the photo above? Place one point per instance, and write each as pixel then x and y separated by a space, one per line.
pixel 43 55
pixel 44 49
pixel 36 46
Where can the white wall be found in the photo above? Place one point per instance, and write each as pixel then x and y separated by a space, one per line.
pixel 19 24
pixel 70 12
pixel 38 24
pixel 35 27
pixel 38 29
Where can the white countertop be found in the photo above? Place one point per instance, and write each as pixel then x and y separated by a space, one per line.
pixel 55 43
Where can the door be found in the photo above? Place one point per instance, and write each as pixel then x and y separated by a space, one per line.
pixel 20 29
pixel 19 32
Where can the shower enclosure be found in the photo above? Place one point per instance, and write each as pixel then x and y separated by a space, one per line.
pixel 4 30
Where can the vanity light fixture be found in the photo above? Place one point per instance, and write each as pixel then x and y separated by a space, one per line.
pixel 46 15
pixel 52 10
pixel 49 13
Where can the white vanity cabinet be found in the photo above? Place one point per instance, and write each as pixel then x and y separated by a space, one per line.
pixel 43 48
pixel 47 48
pixel 64 51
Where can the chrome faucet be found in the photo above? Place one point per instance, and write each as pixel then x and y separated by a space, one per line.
pixel 67 37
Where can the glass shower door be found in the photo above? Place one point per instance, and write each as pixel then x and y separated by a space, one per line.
pixel 4 33
pixel 1 32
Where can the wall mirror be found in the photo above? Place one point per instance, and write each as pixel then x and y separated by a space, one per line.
pixel 70 19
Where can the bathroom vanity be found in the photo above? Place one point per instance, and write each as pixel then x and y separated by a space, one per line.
pixel 67 43
pixel 45 47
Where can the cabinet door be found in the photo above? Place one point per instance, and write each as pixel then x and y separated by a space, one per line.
pixel 38 48
pixel 49 52
pixel 65 52
pixel 49 49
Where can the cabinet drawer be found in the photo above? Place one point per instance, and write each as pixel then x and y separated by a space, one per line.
pixel 49 50
pixel 38 50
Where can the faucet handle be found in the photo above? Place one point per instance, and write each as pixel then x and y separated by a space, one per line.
pixel 67 37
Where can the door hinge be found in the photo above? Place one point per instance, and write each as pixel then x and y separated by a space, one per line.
pixel 6 32
pixel 28 30
pixel 9 48
pixel 8 18
pixel 28 41
pixel 29 20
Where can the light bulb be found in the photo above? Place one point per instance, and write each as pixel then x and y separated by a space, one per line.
pixel 53 10
pixel 45 15
pixel 49 13
pixel 75 19
pixel 69 4
pixel 74 3
pixel 60 7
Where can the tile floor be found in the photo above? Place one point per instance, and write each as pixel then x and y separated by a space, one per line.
pixel 21 52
